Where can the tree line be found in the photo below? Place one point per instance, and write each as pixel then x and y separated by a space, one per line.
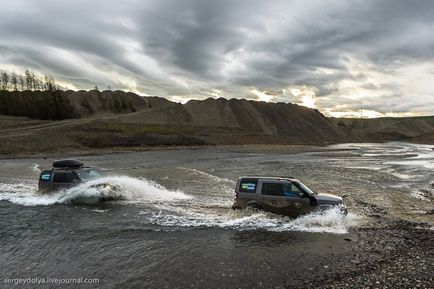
pixel 27 81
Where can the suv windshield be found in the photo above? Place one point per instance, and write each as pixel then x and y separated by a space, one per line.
pixel 306 189
pixel 89 175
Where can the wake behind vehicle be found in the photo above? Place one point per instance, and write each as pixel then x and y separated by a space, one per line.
pixel 284 196
pixel 70 173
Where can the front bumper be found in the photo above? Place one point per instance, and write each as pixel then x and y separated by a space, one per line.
pixel 343 209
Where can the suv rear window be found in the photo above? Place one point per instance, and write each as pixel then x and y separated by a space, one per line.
pixel 273 189
pixel 248 185
pixel 45 176
pixel 64 177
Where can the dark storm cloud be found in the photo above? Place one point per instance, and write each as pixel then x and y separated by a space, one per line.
pixel 190 48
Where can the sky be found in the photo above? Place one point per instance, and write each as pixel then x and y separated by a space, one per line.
pixel 369 58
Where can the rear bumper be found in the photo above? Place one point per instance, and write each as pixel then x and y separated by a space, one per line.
pixel 237 204
pixel 235 207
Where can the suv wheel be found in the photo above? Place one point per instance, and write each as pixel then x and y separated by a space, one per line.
pixel 253 206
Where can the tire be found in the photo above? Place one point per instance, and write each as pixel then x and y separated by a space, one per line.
pixel 254 206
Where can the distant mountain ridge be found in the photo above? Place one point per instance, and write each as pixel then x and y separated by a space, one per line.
pixel 413 129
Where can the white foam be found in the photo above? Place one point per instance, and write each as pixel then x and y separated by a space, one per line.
pixel 127 188
pixel 399 186
pixel 174 209
pixel 424 155
pixel 402 176
pixel 207 175
pixel 99 211
pixel 419 195
pixel 36 168
pixel 369 168
pixel 428 164
pixel 329 221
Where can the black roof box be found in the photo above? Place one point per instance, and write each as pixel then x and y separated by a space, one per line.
pixel 67 164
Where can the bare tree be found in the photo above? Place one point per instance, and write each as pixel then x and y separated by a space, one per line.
pixel 14 81
pixel 21 82
pixel 46 82
pixel 4 80
pixel 50 83
pixel 35 85
pixel 29 80
pixel 38 83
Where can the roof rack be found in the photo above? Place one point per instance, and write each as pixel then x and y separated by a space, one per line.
pixel 67 164
pixel 270 177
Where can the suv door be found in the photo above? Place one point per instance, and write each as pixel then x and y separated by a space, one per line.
pixel 64 179
pixel 245 192
pixel 283 197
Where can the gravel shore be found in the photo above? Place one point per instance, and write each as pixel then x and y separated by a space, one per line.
pixel 395 254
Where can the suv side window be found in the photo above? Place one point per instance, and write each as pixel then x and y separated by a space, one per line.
pixel 248 185
pixel 64 177
pixel 290 190
pixel 272 189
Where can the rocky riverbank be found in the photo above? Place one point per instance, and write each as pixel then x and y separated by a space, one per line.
pixel 392 254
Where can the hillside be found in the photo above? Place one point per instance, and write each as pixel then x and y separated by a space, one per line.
pixel 58 105
pixel 412 129
pixel 84 121
pixel 295 124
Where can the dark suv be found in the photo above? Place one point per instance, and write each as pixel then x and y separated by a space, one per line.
pixel 285 196
pixel 66 174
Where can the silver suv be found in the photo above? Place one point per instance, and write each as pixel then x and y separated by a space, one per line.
pixel 284 196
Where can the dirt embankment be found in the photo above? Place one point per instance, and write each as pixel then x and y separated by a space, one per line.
pixel 85 121
pixel 295 124
pixel 88 120
pixel 411 129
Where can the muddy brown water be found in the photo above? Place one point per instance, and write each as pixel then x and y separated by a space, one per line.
pixel 172 226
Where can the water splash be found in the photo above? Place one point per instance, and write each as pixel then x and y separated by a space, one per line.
pixel 206 175
pixel 329 221
pixel 174 210
pixel 121 188
pixel 35 168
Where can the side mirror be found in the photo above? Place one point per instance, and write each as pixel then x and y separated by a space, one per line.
pixel 301 194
